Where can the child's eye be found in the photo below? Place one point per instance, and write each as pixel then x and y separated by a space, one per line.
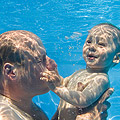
pixel 88 41
pixel 102 44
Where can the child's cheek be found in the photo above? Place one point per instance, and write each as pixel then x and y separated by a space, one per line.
pixel 102 51
pixel 85 48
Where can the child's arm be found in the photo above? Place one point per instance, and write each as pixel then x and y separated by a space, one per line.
pixel 91 92
pixel 96 111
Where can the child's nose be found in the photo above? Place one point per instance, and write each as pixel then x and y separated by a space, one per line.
pixel 92 48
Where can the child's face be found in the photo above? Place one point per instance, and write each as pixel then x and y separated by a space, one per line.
pixel 99 50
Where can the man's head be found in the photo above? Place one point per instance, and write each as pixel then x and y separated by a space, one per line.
pixel 22 58
pixel 102 46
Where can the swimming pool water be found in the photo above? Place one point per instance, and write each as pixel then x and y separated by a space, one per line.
pixel 63 26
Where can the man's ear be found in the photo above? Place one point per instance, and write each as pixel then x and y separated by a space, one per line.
pixel 116 58
pixel 9 71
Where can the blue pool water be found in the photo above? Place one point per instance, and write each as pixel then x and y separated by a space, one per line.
pixel 63 26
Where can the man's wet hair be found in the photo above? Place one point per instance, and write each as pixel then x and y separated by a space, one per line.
pixel 16 45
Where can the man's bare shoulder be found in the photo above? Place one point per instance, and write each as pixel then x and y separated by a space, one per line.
pixel 8 111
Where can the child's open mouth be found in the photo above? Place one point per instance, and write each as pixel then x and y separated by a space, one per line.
pixel 91 57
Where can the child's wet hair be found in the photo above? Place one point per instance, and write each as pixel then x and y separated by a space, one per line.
pixel 110 29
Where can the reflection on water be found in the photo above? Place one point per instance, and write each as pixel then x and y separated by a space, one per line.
pixel 116 117
pixel 63 26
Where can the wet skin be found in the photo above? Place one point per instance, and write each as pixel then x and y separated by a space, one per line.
pixel 99 51
pixel 22 59
pixel 84 87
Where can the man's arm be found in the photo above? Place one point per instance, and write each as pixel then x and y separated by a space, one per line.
pixel 98 110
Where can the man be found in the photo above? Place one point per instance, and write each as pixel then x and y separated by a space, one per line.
pixel 22 59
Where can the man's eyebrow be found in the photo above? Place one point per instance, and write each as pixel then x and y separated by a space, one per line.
pixel 38 58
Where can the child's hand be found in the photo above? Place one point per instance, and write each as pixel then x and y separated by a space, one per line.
pixel 52 78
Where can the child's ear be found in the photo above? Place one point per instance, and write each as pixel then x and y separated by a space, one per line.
pixel 9 71
pixel 116 58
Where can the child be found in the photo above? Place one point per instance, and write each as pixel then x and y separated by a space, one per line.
pixel 83 88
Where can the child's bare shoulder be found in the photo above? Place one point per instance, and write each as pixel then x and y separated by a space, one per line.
pixel 73 76
pixel 102 77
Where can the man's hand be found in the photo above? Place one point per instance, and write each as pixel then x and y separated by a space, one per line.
pixel 98 110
